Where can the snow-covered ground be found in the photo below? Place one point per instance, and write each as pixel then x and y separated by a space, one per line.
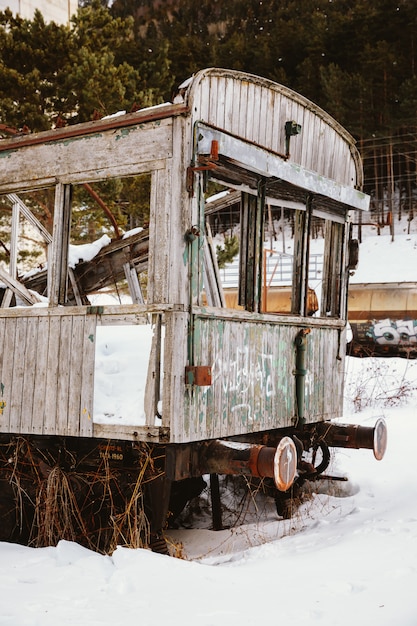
pixel 348 556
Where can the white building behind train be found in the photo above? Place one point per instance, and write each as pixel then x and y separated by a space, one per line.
pixel 59 11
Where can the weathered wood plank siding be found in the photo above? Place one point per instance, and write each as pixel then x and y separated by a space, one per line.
pixel 253 382
pixel 46 372
pixel 257 109
pixel 141 148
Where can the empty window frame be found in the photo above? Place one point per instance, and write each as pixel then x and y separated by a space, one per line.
pixel 275 259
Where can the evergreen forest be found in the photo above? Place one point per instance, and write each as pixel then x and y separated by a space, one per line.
pixel 357 59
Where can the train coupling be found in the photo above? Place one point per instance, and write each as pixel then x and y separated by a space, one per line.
pixel 355 436
pixel 231 457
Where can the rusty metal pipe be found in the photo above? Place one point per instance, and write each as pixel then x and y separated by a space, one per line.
pixel 229 457
pixel 355 436
pixel 300 372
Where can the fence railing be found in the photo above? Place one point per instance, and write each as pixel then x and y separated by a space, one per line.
pixel 278 269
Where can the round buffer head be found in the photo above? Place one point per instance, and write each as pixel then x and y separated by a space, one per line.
pixel 380 438
pixel 285 464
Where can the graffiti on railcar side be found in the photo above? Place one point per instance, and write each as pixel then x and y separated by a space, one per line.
pixel 389 332
pixel 246 378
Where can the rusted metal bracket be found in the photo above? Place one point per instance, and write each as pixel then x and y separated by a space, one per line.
pixel 206 162
pixel 198 375
pixel 207 166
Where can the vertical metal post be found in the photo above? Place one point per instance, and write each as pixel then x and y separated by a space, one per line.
pixel 216 507
pixel 300 373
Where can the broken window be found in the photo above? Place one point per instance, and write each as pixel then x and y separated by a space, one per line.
pixel 25 226
pixel 110 239
pixel 275 258
pixel 100 252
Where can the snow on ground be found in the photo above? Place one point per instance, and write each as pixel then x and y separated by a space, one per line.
pixel 348 556
pixel 386 261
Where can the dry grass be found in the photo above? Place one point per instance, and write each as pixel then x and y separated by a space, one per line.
pixel 99 509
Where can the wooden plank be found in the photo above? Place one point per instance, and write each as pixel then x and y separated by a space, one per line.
pixel 230 105
pixel 277 135
pixel 92 155
pixel 14 240
pixel 7 298
pixel 17 388
pixel 181 220
pixel 213 99
pixel 243 109
pixel 175 360
pixel 19 289
pixel 212 280
pixel 133 284
pixel 30 366
pixel 159 238
pixel 151 434
pixel 130 313
pixel 41 374
pixel 87 378
pixel 221 102
pixel 74 287
pixel 264 115
pixel 153 380
pixel 235 106
pixel 63 374
pixel 76 370
pixel 4 361
pixel 15 199
pixel 270 121
pixel 52 377
pixel 200 98
pixel 304 145
pixel 58 273
pixel 251 122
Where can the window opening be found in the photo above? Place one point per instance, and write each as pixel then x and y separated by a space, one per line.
pixel 128 374
pixel 25 226
pixel 300 265
pixel 100 249
pixel 110 225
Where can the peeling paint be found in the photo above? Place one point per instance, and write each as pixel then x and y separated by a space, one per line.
pixel 125 132
pixel 253 383
pixel 70 140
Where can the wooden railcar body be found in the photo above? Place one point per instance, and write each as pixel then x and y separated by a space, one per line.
pixel 48 354
pixel 213 372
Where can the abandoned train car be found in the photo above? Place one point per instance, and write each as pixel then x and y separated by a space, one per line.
pixel 383 320
pixel 247 388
